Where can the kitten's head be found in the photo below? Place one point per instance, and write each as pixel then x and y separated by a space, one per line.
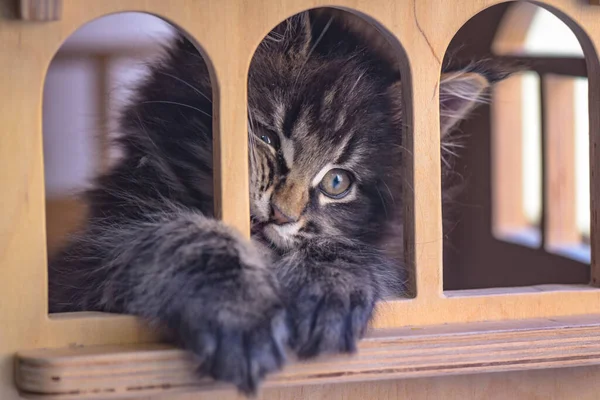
pixel 325 122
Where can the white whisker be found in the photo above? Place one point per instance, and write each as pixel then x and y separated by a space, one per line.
pixel 176 104
pixel 195 89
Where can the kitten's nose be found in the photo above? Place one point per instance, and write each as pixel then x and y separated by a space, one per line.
pixel 279 218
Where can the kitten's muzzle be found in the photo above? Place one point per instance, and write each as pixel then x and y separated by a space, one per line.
pixel 278 217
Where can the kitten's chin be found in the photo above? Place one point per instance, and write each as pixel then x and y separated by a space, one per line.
pixel 281 236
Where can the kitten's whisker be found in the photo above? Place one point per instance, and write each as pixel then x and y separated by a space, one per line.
pixel 449 151
pixel 195 55
pixel 389 191
pixel 459 145
pixel 143 128
pixel 446 163
pixel 195 89
pixel 175 103
pixel 252 139
pixel 407 182
pixel 314 46
pixel 357 80
pixel 382 202
pixel 274 37
pixel 406 149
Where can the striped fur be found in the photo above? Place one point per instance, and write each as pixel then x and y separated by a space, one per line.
pixel 320 98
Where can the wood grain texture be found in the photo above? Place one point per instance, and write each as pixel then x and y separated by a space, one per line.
pixel 129 371
pixel 512 32
pixel 561 215
pixel 227 33
pixel 507 162
pixel 41 10
pixel 548 384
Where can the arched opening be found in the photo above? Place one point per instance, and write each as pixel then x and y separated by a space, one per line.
pixel 98 98
pixel 523 215
pixel 326 100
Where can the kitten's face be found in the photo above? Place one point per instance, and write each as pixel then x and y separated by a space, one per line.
pixel 324 147
pixel 325 122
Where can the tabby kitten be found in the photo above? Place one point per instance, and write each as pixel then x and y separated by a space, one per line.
pixel 325 123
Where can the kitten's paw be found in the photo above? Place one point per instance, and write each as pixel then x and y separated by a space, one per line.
pixel 325 319
pixel 231 315
pixel 331 288
pixel 241 355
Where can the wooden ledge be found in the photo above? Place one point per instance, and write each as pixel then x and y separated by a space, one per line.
pixel 151 369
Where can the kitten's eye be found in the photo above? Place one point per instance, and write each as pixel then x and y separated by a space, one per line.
pixel 269 138
pixel 336 183
pixel 266 138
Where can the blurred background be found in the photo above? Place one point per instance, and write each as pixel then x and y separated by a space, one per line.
pixel 89 79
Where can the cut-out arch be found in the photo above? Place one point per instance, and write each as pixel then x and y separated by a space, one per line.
pixel 86 97
pixel 490 165
pixel 314 43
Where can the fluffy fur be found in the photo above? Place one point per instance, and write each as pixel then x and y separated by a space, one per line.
pixel 319 98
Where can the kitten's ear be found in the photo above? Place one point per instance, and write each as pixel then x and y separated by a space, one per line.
pixel 293 36
pixel 460 92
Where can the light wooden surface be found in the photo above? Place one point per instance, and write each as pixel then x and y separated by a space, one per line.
pixel 561 215
pixel 548 384
pixel 551 384
pixel 508 213
pixel 512 32
pixel 131 371
pixel 228 32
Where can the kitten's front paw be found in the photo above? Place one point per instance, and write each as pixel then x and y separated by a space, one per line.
pixel 328 317
pixel 232 319
pixel 241 354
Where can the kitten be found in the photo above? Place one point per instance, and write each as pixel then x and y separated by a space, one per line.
pixel 325 124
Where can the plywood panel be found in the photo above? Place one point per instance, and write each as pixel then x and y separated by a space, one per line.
pixel 130 371
pixel 573 383
pixel 561 217
pixel 507 162
pixel 228 32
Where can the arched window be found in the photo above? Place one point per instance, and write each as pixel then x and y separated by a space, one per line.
pixel 526 160
pixel 87 82
pixel 555 153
